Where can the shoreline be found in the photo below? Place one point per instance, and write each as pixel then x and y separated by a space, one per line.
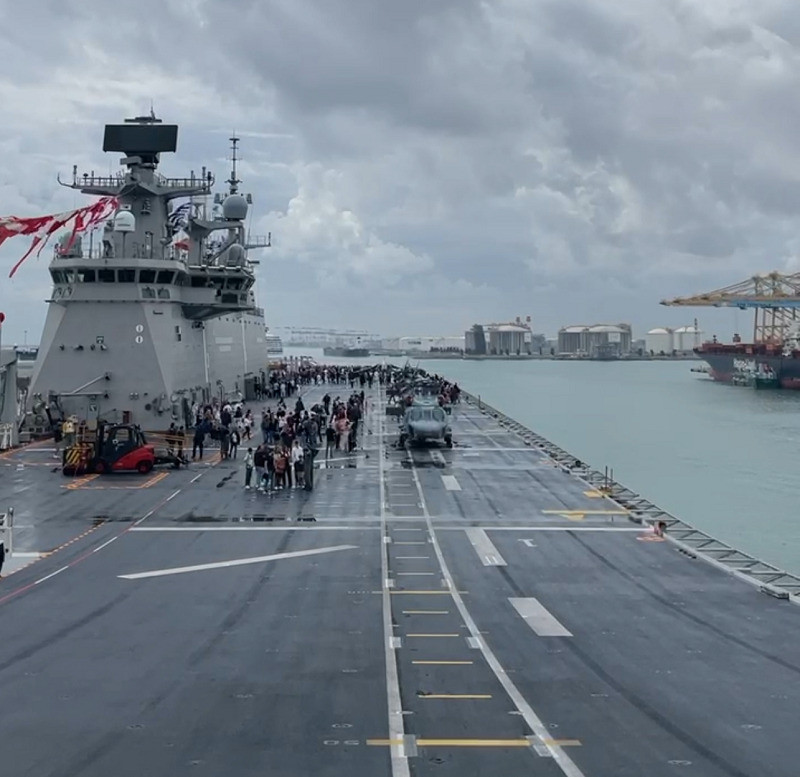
pixel 423 355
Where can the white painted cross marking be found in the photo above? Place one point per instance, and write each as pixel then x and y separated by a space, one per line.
pixel 236 562
pixel 538 617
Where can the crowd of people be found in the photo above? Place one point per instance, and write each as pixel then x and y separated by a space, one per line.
pixel 291 433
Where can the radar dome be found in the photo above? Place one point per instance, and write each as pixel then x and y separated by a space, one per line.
pixel 235 256
pixel 124 221
pixel 235 207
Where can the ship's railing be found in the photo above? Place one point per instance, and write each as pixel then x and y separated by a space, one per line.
pixel 691 541
pixel 192 182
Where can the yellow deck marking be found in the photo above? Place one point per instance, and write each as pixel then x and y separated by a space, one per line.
pixel 455 696
pixel 81 482
pixel 421 593
pixel 475 742
pixel 433 635
pixel 426 612
pixel 584 512
pixel 444 663
pixel 594 494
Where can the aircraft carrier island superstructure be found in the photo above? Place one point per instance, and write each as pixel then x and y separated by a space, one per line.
pixel 161 311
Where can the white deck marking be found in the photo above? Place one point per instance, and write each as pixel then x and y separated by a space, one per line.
pixel 450 483
pixel 436 457
pixel 397 732
pixel 539 618
pixel 239 562
pixel 52 574
pixel 239 527
pixel 173 495
pixel 549 528
pixel 565 763
pixel 105 544
pixel 484 547
pixel 529 543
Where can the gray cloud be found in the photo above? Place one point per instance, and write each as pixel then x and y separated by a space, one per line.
pixel 424 165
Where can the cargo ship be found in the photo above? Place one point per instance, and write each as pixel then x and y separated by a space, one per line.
pixel 356 353
pixel 772 359
pixel 768 364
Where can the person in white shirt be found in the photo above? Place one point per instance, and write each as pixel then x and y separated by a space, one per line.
pixel 297 464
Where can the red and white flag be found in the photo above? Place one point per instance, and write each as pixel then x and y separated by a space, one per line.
pixel 43 227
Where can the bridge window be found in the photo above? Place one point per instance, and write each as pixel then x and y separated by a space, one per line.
pixel 148 293
pixel 58 276
pixel 163 293
pixel 126 276
pixel 147 276
pixel 165 276
pixel 80 276
pixel 106 276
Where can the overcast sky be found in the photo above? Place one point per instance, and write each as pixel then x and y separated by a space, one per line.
pixel 426 164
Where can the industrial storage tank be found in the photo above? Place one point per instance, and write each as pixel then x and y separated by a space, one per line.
pixel 686 338
pixel 660 340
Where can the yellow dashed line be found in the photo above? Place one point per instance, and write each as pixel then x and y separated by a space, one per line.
pixel 566 513
pixel 421 593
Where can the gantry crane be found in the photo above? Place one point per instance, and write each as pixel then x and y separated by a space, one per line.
pixel 775 298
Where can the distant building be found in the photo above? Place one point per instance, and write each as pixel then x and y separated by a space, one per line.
pixel 426 344
pixel 317 337
pixel 509 338
pixel 597 340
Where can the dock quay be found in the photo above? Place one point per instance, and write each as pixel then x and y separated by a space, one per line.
pixel 494 608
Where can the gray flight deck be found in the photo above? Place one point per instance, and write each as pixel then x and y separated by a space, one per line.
pixel 474 611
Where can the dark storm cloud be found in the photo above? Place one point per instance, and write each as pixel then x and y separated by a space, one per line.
pixel 443 161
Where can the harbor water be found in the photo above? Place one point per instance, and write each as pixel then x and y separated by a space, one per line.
pixel 722 458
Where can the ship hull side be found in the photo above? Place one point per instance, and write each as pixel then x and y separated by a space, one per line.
pixel 723 366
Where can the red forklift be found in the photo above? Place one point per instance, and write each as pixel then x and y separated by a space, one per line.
pixel 109 448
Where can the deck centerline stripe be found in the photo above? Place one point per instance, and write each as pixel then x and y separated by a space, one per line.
pixel 399 759
pixel 533 721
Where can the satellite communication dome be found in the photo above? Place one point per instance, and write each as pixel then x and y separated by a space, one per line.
pixel 124 221
pixel 235 256
pixel 235 207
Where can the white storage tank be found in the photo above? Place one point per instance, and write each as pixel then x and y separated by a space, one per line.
pixel 660 340
pixel 686 338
